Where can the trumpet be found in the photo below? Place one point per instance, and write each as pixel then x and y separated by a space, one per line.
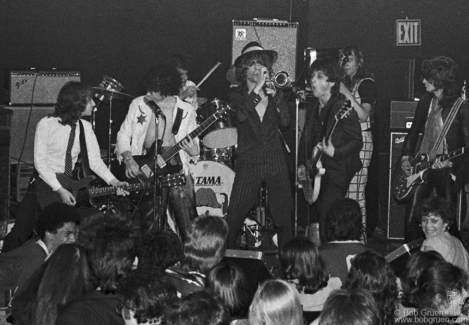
pixel 280 79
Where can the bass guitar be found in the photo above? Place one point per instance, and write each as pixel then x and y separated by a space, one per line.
pixel 312 183
pixel 403 186
pixel 147 162
pixel 81 190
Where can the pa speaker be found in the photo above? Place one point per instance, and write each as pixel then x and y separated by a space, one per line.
pixel 280 36
pixel 23 129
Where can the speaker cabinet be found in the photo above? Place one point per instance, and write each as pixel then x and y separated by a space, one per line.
pixel 23 129
pixel 37 87
pixel 396 211
pixel 280 36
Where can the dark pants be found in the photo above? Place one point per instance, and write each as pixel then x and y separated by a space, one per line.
pixel 181 200
pixel 251 172
pixel 328 194
pixel 441 181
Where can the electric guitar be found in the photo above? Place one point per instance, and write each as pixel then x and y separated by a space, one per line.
pixel 147 162
pixel 403 186
pixel 312 184
pixel 81 190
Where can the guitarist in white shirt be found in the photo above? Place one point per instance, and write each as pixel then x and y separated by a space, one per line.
pixel 340 155
pixel 443 91
pixel 140 129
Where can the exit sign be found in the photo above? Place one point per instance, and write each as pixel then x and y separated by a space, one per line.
pixel 408 32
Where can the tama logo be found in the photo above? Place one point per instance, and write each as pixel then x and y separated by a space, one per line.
pixel 208 180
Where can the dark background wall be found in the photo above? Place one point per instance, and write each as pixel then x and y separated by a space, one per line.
pixel 123 38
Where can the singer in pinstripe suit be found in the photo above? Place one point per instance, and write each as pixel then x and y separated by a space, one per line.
pixel 259 112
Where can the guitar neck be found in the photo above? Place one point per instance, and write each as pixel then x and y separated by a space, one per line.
pixel 451 155
pixel 109 190
pixel 201 128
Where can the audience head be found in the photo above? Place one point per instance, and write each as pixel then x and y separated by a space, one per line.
pixel 370 271
pixel 145 297
pixel 73 99
pixel 435 215
pixel 442 287
pixel 418 262
pixel 65 275
pixel 442 73
pixel 299 259
pixel 57 225
pixel 198 308
pixel 344 221
pixel 205 244
pixel 350 307
pixel 111 255
pixel 162 79
pixel 159 250
pixel 229 283
pixel 276 303
pixel 331 71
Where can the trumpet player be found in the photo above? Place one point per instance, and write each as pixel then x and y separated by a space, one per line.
pixel 260 110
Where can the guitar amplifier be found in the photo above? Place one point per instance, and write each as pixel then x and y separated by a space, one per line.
pixel 39 87
pixel 402 114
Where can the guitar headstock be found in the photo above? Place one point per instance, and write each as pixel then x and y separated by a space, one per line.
pixel 344 110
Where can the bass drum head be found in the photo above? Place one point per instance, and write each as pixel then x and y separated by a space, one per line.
pixel 213 182
pixel 221 138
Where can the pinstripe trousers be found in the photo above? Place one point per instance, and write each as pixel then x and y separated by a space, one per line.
pixel 251 171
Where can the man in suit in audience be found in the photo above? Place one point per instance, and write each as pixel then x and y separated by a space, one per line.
pixel 343 231
pixel 56 225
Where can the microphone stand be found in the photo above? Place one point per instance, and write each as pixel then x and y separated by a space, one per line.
pixel 297 101
pixel 157 197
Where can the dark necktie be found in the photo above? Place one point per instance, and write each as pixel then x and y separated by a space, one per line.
pixel 68 155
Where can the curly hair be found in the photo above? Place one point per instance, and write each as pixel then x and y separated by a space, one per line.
pixel 350 307
pixel 299 258
pixel 442 73
pixel 331 70
pixel 164 79
pixel 414 267
pixel 205 244
pixel 437 206
pixel 372 272
pixel 344 221
pixel 147 295
pixel 248 60
pixel 72 100
pixel 54 216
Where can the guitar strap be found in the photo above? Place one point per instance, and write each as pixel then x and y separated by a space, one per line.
pixel 446 126
pixel 84 152
pixel 177 121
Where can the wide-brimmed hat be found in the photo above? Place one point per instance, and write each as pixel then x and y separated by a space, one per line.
pixel 249 48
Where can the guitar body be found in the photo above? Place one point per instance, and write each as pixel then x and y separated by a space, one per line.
pixel 312 184
pixel 45 194
pixel 403 186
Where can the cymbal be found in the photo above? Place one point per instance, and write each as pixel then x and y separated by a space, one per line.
pixel 111 93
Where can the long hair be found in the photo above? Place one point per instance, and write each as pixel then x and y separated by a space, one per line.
pixel 344 221
pixel 442 73
pixel 276 303
pixel 372 272
pixel 229 283
pixel 354 307
pixel 72 101
pixel 435 283
pixel 416 264
pixel 248 60
pixel 63 277
pixel 354 50
pixel 331 70
pixel 300 260
pixel 205 244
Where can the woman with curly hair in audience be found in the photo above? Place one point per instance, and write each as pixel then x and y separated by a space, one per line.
pixel 276 303
pixel 63 277
pixel 303 269
pixel 370 271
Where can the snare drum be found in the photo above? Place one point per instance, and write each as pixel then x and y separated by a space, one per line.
pixel 222 133
pixel 213 182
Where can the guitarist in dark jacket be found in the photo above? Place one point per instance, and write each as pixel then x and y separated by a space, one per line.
pixel 340 155
pixel 440 80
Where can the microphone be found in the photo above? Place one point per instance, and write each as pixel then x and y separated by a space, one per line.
pixel 153 106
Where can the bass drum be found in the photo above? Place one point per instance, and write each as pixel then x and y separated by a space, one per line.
pixel 213 182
